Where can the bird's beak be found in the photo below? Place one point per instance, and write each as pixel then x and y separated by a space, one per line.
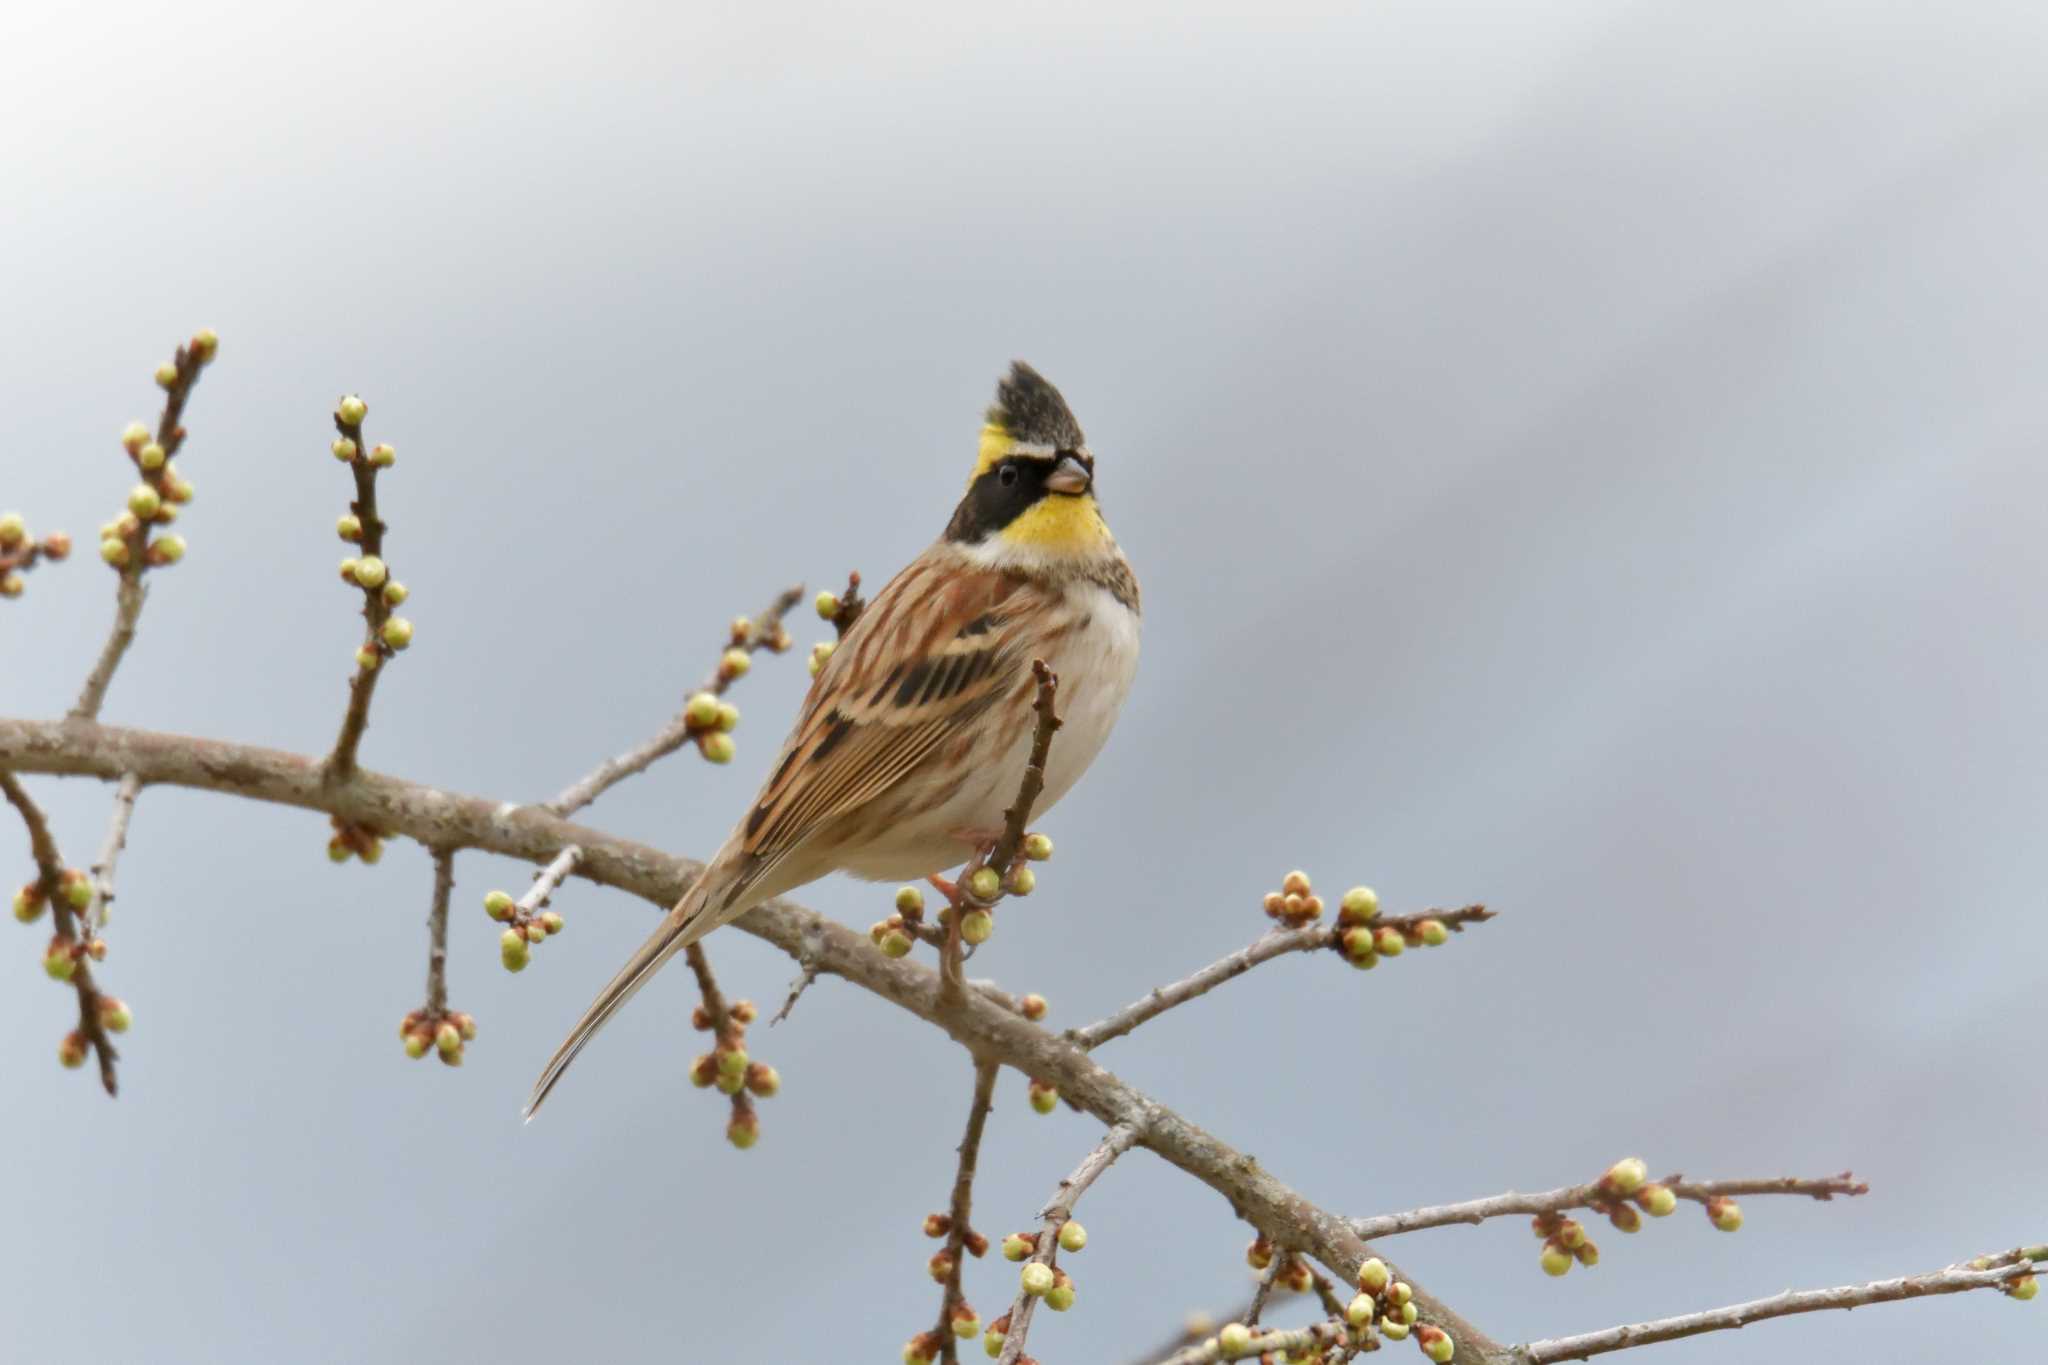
pixel 1069 476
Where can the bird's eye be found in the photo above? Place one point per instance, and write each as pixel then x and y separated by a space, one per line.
pixel 1007 474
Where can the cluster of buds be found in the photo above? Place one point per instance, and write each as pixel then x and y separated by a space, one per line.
pixel 1387 1305
pixel 65 952
pixel 1363 939
pixel 442 1033
pixel 525 926
pixel 126 544
pixel 728 1069
pixel 353 841
pixel 961 1318
pixel 362 527
pixel 72 884
pixel 838 610
pixel 20 552
pixel 710 720
pixel 973 902
pixel 1623 1195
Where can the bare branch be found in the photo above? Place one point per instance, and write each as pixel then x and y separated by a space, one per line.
pixel 548 881
pixel 960 1234
pixel 986 1025
pixel 370 573
pixel 1587 1196
pixel 135 554
pixel 437 933
pixel 1263 1343
pixel 1276 943
pixel 110 850
pixel 54 880
pixel 1956 1279
pixel 761 632
pixel 728 1025
pixel 1058 1210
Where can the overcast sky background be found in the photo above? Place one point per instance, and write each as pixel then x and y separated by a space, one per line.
pixel 1583 457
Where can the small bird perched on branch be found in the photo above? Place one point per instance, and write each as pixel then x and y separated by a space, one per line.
pixel 911 741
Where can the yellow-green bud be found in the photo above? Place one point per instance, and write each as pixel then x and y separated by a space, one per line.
pixel 1023 881
pixel 1037 847
pixel 1032 1007
pixel 344 449
pixel 1436 1344
pixel 71 1052
pixel 1656 1200
pixel 909 900
pixel 1373 1276
pixel 2024 1288
pixel 115 1014
pixel 367 658
pixel 448 1038
pixel 1588 1253
pixel 1036 1279
pixel 1409 1313
pixel 352 410
pixel 966 1323
pixel 1555 1259
pixel 717 746
pixel 513 951
pixel 735 663
pixel 114 552
pixel 985 884
pixel 205 342
pixel 1018 1247
pixel 28 904
pixel 550 922
pixel 133 437
pixel 416 1045
pixel 820 652
pixel 395 593
pixel 1726 1213
pixel 166 375
pixel 728 717
pixel 743 1131
pixel 370 571
pixel 348 526
pixel 1044 1098
pixel 348 571
pixel 1627 1175
pixel 11 584
pixel 500 905
pixel 144 501
pixel 1394 1329
pixel 1061 1296
pixel 338 850
pixel 895 943
pixel 58 961
pixel 1072 1236
pixel 150 456
pixel 1359 1311
pixel 733 1062
pixel 1401 1292
pixel 77 888
pixel 397 632
pixel 1234 1340
pixel 1388 942
pixel 167 549
pixel 1435 935
pixel 701 711
pixel 764 1080
pixel 828 605
pixel 466 1023
pixel 535 931
pixel 976 926
pixel 382 455
pixel 1361 902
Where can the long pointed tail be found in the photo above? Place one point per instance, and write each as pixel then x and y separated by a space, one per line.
pixel 681 927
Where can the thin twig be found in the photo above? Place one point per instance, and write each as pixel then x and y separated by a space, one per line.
pixel 807 958
pixel 1276 943
pixel 355 718
pixel 961 1207
pixel 763 632
pixel 548 881
pixel 129 593
pixel 437 933
pixel 1263 1343
pixel 1114 1144
pixel 724 1028
pixel 110 851
pixel 1955 1279
pixel 1586 1196
pixel 50 879
pixel 1265 1287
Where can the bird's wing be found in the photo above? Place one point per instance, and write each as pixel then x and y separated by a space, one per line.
pixel 936 648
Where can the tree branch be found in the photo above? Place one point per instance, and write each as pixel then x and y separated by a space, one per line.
pixel 376 585
pixel 1276 943
pixel 960 1235
pixel 762 632
pixel 178 378
pixel 68 948
pixel 1587 1196
pixel 1956 1279
pixel 437 933
pixel 1058 1210
pixel 110 851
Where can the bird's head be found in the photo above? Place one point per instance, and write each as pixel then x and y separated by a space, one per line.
pixel 1032 494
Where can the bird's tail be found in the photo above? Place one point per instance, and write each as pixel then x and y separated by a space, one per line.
pixel 689 921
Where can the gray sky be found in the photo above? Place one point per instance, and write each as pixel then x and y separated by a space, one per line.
pixel 1581 457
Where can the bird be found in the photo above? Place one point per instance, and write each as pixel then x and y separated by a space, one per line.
pixel 914 734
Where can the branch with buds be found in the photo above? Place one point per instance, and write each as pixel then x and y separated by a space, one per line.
pixel 21 552
pixel 1293 1235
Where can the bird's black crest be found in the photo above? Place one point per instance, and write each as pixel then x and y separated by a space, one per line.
pixel 1031 409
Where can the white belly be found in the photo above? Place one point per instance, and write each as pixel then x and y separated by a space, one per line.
pixel 1095 664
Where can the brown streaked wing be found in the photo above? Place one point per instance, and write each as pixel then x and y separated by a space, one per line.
pixel 940 644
